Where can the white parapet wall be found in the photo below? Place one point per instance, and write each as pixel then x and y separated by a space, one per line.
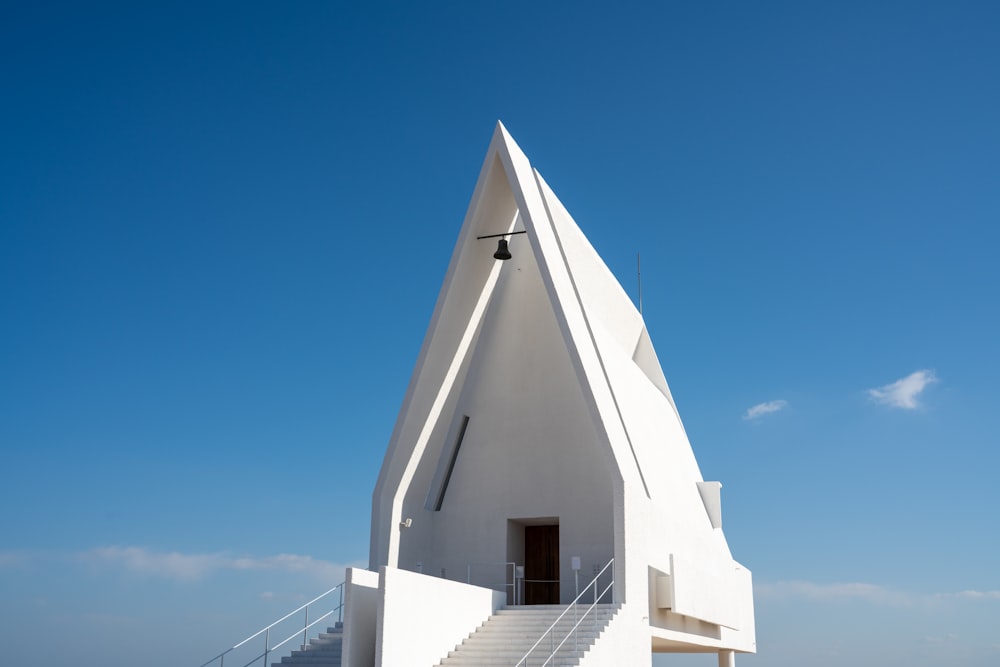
pixel 361 601
pixel 706 590
pixel 421 618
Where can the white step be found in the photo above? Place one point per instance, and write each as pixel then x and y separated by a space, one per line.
pixel 321 651
pixel 510 633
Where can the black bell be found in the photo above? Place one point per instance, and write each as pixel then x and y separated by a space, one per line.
pixel 502 251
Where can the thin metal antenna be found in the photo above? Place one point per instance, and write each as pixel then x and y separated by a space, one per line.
pixel 638 269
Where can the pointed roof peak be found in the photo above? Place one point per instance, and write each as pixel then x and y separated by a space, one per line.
pixel 507 140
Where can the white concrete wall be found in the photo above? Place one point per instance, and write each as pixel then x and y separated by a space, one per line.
pixel 361 597
pixel 687 628
pixel 569 419
pixel 744 639
pixel 706 590
pixel 422 618
pixel 529 451
pixel 673 519
pixel 624 642
pixel 490 211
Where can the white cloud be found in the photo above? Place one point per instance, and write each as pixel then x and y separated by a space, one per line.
pixel 871 593
pixel 765 408
pixel 189 567
pixel 974 595
pixel 292 563
pixel 837 591
pixel 172 565
pixel 11 558
pixel 903 392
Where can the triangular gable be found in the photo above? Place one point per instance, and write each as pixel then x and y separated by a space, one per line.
pixel 601 329
pixel 538 400
pixel 564 293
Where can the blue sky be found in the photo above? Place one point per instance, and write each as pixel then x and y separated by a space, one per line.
pixel 223 227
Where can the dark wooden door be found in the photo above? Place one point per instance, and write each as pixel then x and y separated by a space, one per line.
pixel 541 564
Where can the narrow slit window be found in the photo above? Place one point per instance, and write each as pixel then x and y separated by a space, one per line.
pixel 446 465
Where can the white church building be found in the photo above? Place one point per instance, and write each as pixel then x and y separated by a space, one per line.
pixel 539 501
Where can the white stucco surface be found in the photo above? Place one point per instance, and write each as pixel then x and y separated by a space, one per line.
pixel 529 450
pixel 624 642
pixel 545 365
pixel 422 618
pixel 361 598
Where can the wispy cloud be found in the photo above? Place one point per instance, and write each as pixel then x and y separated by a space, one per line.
pixel 836 591
pixel 871 593
pixel 11 558
pixel 974 595
pixel 762 409
pixel 903 392
pixel 190 567
pixel 292 563
pixel 172 564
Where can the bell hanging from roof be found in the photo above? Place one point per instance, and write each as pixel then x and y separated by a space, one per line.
pixel 502 251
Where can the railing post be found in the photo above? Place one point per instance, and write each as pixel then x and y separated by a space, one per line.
pixel 305 630
pixel 576 621
pixel 576 591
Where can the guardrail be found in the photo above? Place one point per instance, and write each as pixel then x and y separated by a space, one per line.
pixel 266 631
pixel 574 606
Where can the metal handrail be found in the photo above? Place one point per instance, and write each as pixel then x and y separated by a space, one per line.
pixel 289 638
pixel 572 605
pixel 576 625
pixel 267 630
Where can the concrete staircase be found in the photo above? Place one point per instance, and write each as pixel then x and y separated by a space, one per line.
pixel 322 651
pixel 507 635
